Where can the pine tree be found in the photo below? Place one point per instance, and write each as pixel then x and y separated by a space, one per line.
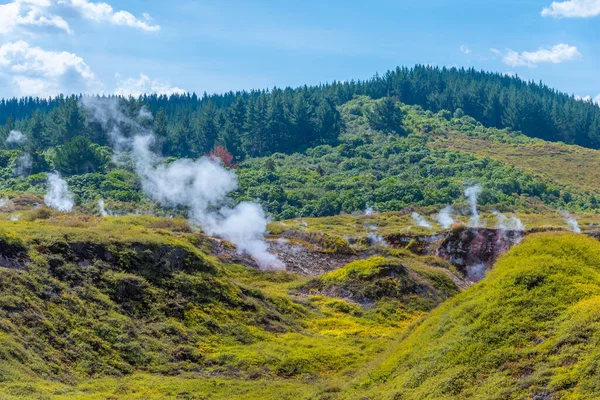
pixel 208 124
pixel 303 121
pixel 277 126
pixel 74 120
pixel 386 116
pixel 37 139
pixel 329 122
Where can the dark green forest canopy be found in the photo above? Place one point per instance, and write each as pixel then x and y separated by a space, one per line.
pixel 259 123
pixel 383 158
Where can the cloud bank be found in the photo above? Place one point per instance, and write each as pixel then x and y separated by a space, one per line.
pixel 103 12
pixel 33 71
pixel 555 55
pixel 135 87
pixel 34 15
pixel 573 9
pixel 30 15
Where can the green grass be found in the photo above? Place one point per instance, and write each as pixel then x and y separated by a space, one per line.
pixel 138 307
pixel 355 228
pixel 531 327
pixel 567 165
pixel 75 325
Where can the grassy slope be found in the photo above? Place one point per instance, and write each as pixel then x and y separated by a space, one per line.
pixel 568 165
pixel 74 325
pixel 389 223
pixel 532 327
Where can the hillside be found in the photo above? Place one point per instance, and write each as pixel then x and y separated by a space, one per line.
pixel 142 307
pixel 430 233
pixel 261 122
pixel 427 160
pixel 530 330
pixel 571 166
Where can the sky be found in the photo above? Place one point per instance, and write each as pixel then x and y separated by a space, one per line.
pixel 157 46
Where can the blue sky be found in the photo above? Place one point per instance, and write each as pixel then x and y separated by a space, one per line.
pixel 49 46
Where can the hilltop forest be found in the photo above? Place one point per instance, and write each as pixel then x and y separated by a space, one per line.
pixel 260 123
pixel 315 151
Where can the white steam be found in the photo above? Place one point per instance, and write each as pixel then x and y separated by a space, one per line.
pixel 375 238
pixel 58 195
pixel 420 220
pixel 472 193
pixel 571 221
pixel 201 186
pixel 102 207
pixel 444 217
pixel 23 165
pixel 16 137
pixel 144 114
pixel 369 210
pixel 476 272
pixel 508 224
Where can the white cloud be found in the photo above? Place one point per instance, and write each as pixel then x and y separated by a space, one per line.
pixel 589 98
pixel 30 14
pixel 33 71
pixel 557 54
pixel 135 87
pixel 465 49
pixel 103 12
pixel 34 15
pixel 573 9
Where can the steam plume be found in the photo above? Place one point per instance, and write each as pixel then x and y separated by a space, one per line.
pixel 476 272
pixel 571 221
pixel 375 238
pixel 472 193
pixel 102 207
pixel 202 186
pixel 58 195
pixel 505 223
pixel 420 220
pixel 23 165
pixel 444 217
pixel 16 137
pixel 369 210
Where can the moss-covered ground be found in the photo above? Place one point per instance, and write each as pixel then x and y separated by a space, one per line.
pixel 531 329
pixel 143 307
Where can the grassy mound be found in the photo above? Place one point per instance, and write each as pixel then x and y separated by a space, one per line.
pixel 416 285
pixel 81 299
pixel 531 329
pixel 140 307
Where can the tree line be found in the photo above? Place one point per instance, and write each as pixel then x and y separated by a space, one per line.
pixel 263 122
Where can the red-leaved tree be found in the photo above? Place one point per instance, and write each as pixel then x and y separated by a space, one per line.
pixel 222 153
